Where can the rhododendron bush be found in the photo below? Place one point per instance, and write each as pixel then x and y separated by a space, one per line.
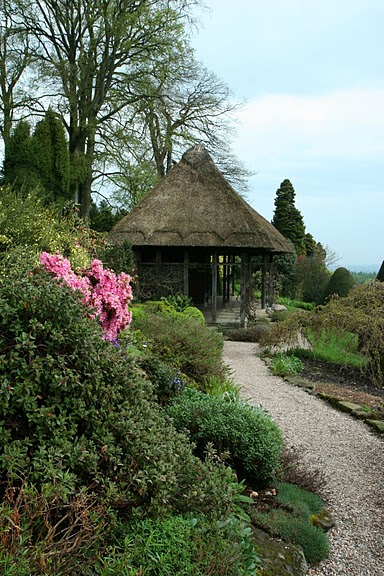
pixel 103 291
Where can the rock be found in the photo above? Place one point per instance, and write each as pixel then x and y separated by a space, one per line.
pixel 377 425
pixel 279 558
pixel 323 520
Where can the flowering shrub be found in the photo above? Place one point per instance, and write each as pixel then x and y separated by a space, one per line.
pixel 107 293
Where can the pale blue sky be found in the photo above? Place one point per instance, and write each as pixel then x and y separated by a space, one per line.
pixel 311 74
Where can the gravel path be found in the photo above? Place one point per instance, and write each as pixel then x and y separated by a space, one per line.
pixel 351 456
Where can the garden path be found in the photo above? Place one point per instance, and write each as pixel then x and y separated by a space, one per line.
pixel 350 456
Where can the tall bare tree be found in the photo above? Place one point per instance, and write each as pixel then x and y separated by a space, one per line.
pixel 91 52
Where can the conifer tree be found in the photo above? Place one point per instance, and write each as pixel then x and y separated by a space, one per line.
pixel 287 218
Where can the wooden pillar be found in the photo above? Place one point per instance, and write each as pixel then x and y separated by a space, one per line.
pixel 214 286
pixel 244 288
pixel 186 272
pixel 225 279
pixel 263 281
pixel 270 282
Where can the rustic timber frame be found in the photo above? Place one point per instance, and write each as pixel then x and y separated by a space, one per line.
pixel 193 234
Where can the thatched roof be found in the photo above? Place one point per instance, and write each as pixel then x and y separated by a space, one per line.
pixel 194 205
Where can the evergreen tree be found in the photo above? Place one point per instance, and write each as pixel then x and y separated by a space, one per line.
pixel 287 218
pixel 51 158
pixel 18 168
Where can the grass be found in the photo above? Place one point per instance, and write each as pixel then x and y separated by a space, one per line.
pixel 283 365
pixel 293 305
pixel 335 346
pixel 290 519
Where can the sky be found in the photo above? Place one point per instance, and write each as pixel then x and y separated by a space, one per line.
pixel 311 76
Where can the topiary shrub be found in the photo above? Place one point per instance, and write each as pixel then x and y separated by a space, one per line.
pixel 340 283
pixel 193 312
pixel 249 434
pixel 76 412
pixel 380 274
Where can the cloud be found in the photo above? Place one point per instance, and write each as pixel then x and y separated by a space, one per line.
pixel 344 124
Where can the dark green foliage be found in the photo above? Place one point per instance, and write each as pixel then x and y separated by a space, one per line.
pixel 40 160
pixel 103 216
pixel 340 283
pixel 76 412
pixel 182 341
pixel 311 277
pixel 51 158
pixel 287 218
pixel 117 257
pixel 179 301
pixel 380 274
pixel 19 169
pixel 166 379
pixel 253 333
pixel 253 440
pixel 187 546
pixel 285 271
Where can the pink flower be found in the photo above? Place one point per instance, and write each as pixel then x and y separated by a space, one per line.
pixel 104 291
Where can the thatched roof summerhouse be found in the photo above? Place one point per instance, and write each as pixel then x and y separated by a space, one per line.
pixel 193 218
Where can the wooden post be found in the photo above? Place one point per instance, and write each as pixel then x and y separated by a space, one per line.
pixel 214 286
pixel 225 279
pixel 186 272
pixel 270 283
pixel 263 281
pixel 244 279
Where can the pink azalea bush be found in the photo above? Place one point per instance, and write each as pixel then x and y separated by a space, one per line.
pixel 109 294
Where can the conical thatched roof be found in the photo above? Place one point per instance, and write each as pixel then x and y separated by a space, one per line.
pixel 194 205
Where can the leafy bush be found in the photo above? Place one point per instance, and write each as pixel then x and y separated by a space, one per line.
pixel 183 342
pixel 192 312
pixel 76 411
pixel 284 365
pixel 215 386
pixel 188 546
pixel 167 380
pixel 340 283
pixel 178 301
pixel 249 434
pixel 253 333
pixel 27 226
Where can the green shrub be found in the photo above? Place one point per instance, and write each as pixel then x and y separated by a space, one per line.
pixel 284 365
pixel 166 379
pixel 280 315
pixel 192 312
pixel 183 342
pixel 249 434
pixel 186 546
pixel 178 301
pixel 340 283
pixel 215 386
pixel 76 411
pixel 253 333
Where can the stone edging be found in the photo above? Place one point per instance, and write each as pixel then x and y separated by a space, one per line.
pixel 350 408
